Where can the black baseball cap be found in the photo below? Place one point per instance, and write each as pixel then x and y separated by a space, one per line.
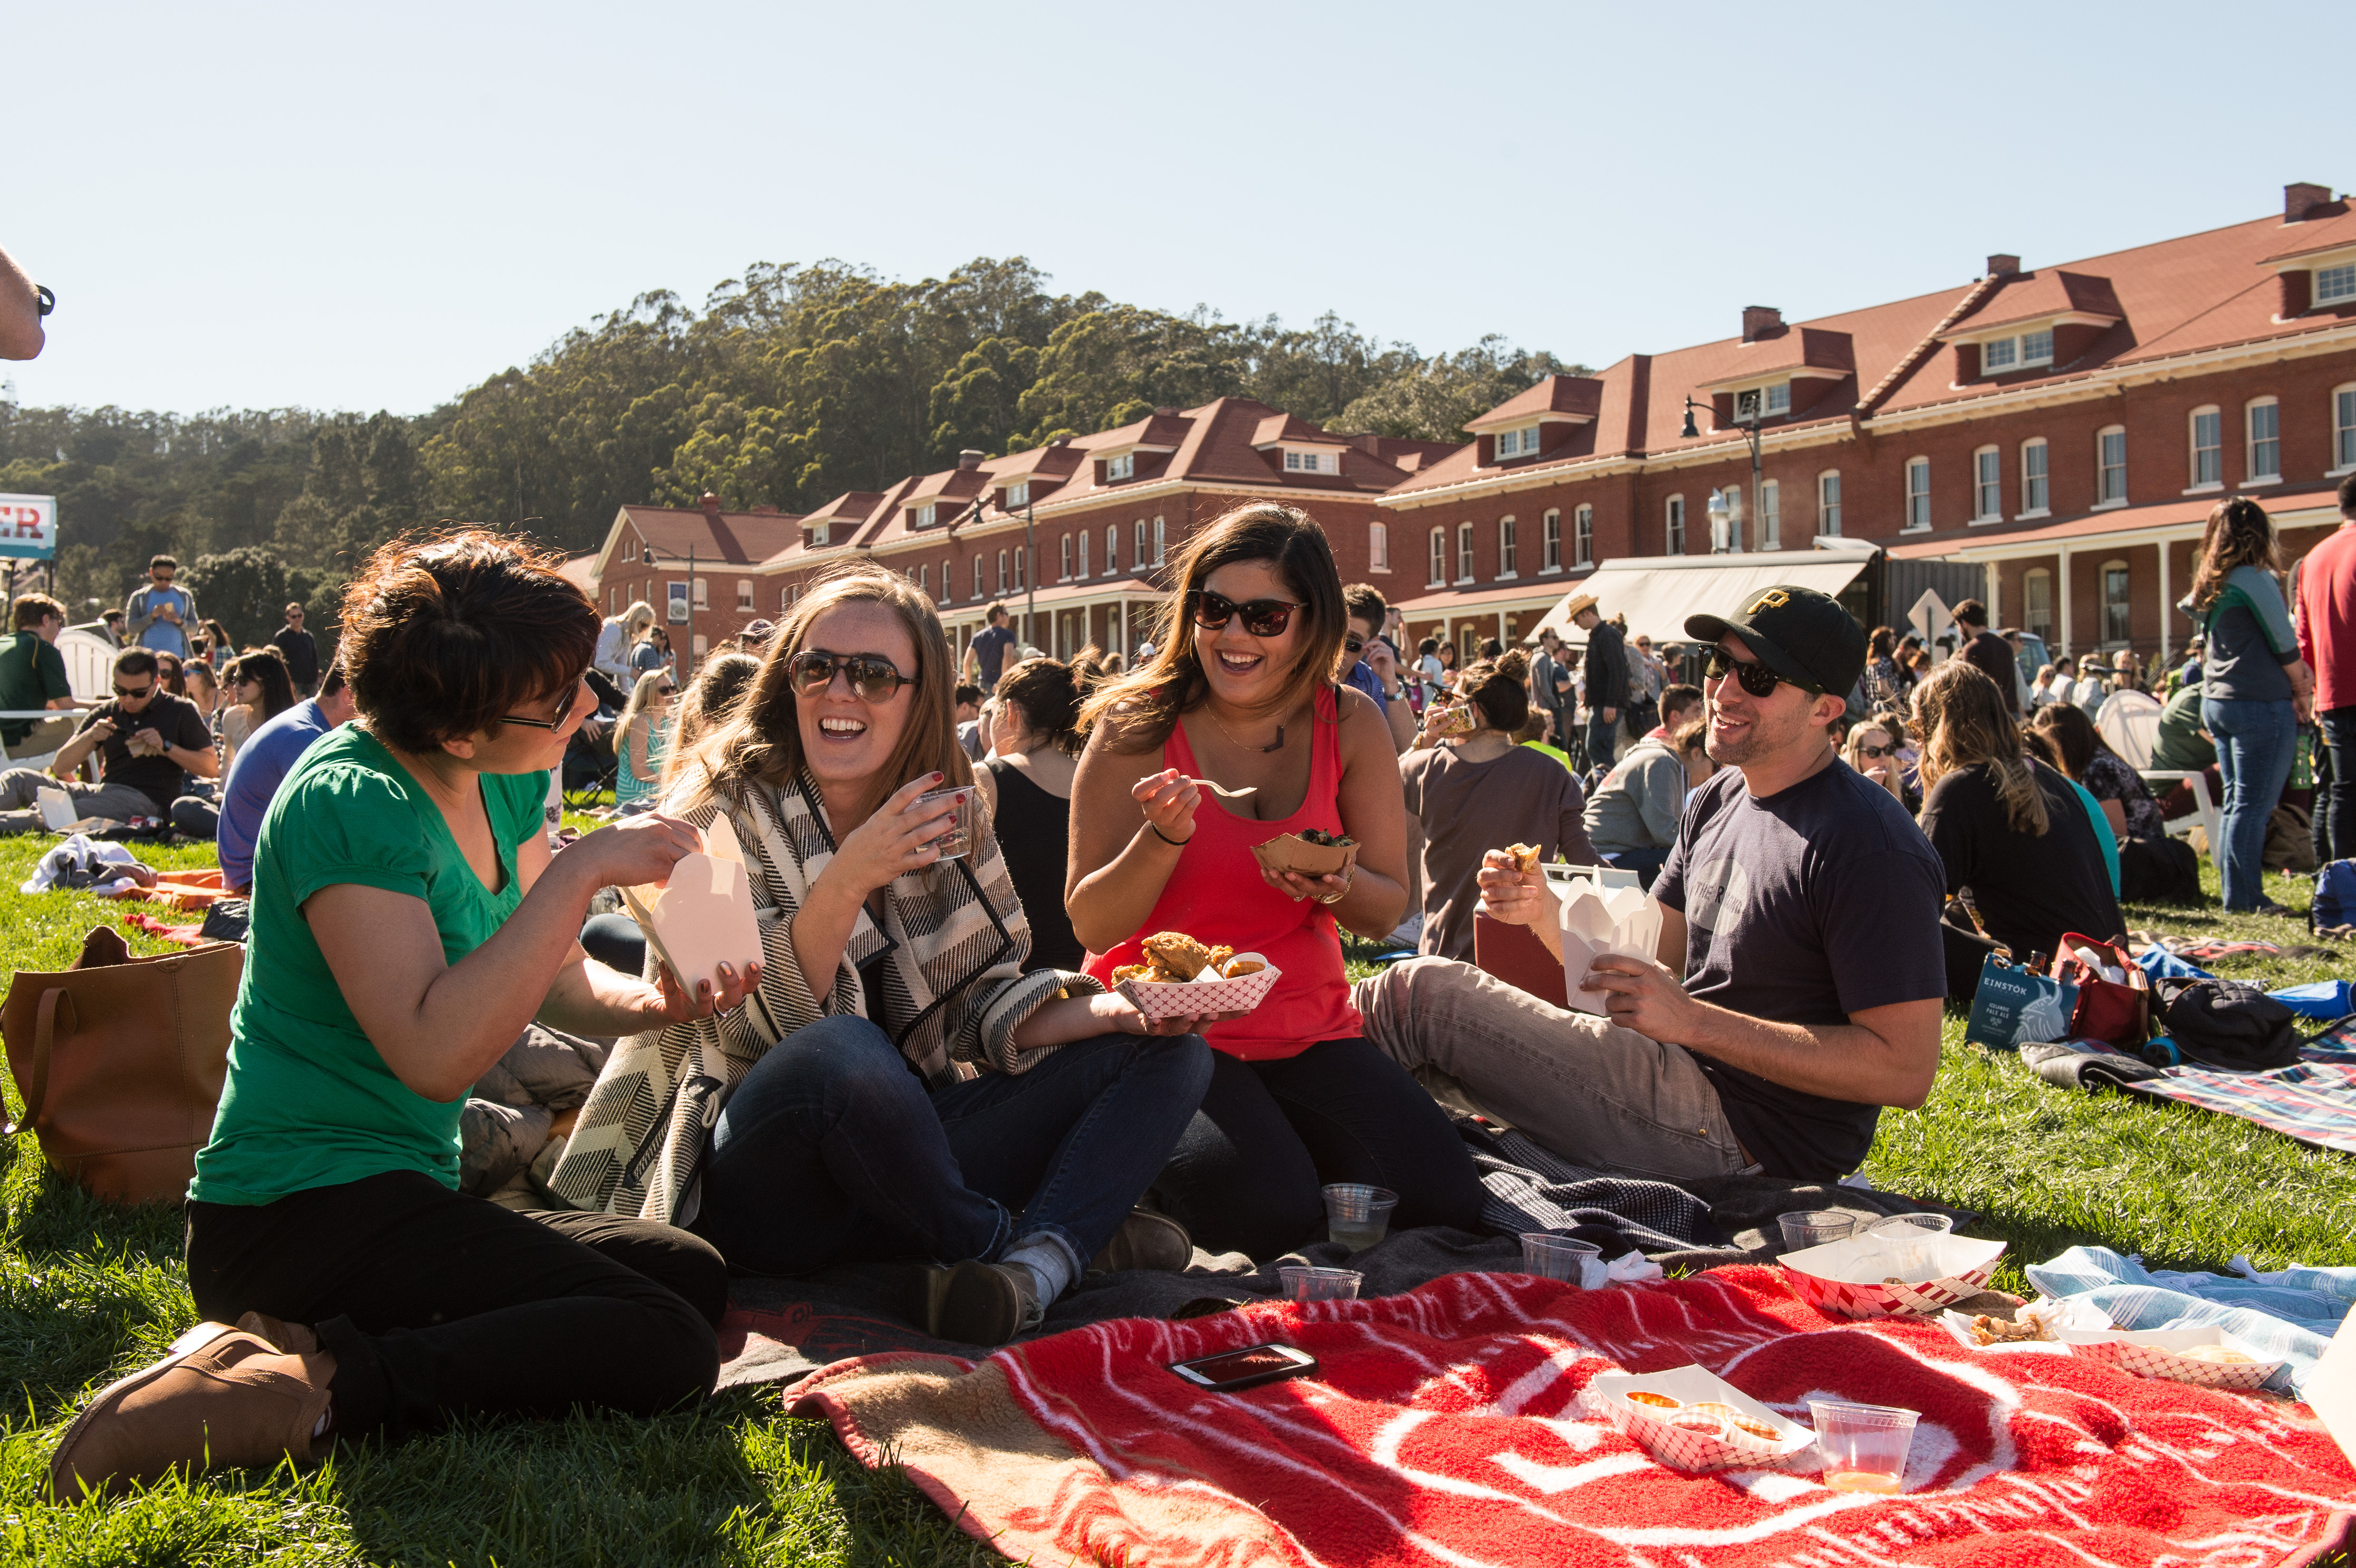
pixel 1798 633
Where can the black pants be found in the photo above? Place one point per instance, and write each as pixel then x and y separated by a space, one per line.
pixel 435 1304
pixel 2335 805
pixel 1245 1177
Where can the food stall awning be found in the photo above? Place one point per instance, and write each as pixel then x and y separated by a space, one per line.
pixel 1657 592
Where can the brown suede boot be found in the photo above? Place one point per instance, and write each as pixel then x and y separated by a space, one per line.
pixel 221 1397
pixel 1146 1240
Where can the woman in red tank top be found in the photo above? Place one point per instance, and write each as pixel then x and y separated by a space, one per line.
pixel 1242 695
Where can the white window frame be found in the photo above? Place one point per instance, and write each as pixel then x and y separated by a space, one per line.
pixel 1002 571
pixel 2343 281
pixel 744 593
pixel 1158 540
pixel 1771 513
pixel 2343 430
pixel 784 598
pixel 2110 478
pixel 1121 467
pixel 1508 548
pixel 2125 604
pixel 1464 558
pixel 704 593
pixel 1311 462
pixel 2035 618
pixel 1918 496
pixel 1438 564
pixel 612 595
pixel 1583 536
pixel 2204 460
pixel 948 580
pixel 979 591
pixel 2035 478
pixel 1081 568
pixel 1138 557
pixel 1516 443
pixel 1987 486
pixel 924 577
pixel 1112 549
pixel 1378 546
pixel 818 535
pixel 2261 453
pixel 1673 526
pixel 1064 561
pixel 1776 399
pixel 926 514
pixel 1550 541
pixel 1828 503
pixel 1018 495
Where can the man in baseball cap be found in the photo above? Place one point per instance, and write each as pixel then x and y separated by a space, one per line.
pixel 1800 966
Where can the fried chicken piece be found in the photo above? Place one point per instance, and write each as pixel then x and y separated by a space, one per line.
pixel 1237 971
pixel 1176 952
pixel 1132 971
pixel 1988 1330
pixel 1525 856
pixel 1217 961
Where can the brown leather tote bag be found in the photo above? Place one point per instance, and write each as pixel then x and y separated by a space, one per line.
pixel 119 1061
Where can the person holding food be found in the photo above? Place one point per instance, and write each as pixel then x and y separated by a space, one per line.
pixel 897 1086
pixel 1470 794
pixel 1205 774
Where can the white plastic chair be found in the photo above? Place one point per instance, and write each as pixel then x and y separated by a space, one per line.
pixel 2129 723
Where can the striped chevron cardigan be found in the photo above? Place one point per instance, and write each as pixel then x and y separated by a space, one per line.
pixel 953 992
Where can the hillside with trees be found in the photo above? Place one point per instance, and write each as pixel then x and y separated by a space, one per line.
pixel 793 384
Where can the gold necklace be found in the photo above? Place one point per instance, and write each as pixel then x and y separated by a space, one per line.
pixel 1230 734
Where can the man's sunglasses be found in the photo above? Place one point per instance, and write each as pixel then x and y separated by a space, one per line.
pixel 563 712
pixel 147 690
pixel 1354 643
pixel 1756 678
pixel 1262 617
pixel 874 677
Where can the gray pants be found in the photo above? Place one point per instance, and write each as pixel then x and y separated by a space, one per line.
pixel 20 809
pixel 1597 1094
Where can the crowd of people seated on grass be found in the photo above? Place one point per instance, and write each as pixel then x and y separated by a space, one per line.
pixel 934 1054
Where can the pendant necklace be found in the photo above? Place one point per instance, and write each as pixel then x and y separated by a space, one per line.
pixel 1230 734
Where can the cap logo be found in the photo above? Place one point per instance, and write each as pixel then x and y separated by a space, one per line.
pixel 1773 598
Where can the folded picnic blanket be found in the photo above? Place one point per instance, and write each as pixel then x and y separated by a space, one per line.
pixel 1450 1425
pixel 2291 1313
pixel 779 1328
pixel 2313 1099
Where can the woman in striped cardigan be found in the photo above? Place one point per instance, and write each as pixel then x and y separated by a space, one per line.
pixel 894 1086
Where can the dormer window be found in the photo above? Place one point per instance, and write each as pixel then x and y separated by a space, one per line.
pixel 1018 494
pixel 1121 467
pixel 1517 442
pixel 925 515
pixel 818 535
pixel 1762 402
pixel 2335 286
pixel 1312 462
pixel 2025 352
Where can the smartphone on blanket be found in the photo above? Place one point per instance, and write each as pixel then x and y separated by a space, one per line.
pixel 1246 1368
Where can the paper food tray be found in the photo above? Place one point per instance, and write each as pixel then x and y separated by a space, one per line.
pixel 702 916
pixel 1650 1430
pixel 1291 852
pixel 1180 998
pixel 2157 1353
pixel 1844 1278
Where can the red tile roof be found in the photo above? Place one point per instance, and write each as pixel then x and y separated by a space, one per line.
pixel 2320 230
pixel 735 538
pixel 2113 520
pixel 1577 396
pixel 2033 296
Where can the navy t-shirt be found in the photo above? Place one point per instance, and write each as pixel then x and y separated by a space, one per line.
pixel 990 646
pixel 1815 903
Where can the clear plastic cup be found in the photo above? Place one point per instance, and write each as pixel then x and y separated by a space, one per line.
pixel 959 840
pixel 1356 1216
pixel 1908 1238
pixel 1321 1284
pixel 1550 1256
pixel 1864 1445
pixel 1814 1227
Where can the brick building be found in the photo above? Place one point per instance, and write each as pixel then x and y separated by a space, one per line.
pixel 2068 428
pixel 731 582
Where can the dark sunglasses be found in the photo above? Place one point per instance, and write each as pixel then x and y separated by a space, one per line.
pixel 563 713
pixel 1756 678
pixel 665 690
pixel 1354 643
pixel 874 677
pixel 148 690
pixel 1876 751
pixel 1262 617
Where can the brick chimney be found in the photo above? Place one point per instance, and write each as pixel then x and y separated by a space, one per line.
pixel 2003 266
pixel 968 459
pixel 2299 200
pixel 711 504
pixel 1759 321
pixel 1166 411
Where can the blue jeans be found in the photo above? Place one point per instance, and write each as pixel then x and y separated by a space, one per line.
pixel 833 1150
pixel 1602 737
pixel 2255 742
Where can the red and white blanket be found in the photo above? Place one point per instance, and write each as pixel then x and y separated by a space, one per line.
pixel 1446 1427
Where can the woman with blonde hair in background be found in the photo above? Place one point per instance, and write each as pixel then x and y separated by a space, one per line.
pixel 2019 848
pixel 1873 750
pixel 617 637
pixel 641 736
pixel 1243 695
pixel 896 1087
pixel 2256 690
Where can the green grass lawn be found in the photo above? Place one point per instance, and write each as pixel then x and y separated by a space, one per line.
pixel 87 1293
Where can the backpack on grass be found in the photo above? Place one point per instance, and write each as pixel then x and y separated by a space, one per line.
pixel 2335 897
pixel 2230 1024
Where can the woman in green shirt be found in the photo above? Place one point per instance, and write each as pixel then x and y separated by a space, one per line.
pixel 409 921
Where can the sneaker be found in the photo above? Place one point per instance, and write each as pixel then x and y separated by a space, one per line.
pixel 293 1339
pixel 983 1304
pixel 221 1397
pixel 1146 1240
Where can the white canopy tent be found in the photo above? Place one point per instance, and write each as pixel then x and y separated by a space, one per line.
pixel 1657 592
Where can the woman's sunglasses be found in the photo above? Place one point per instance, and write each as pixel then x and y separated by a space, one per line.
pixel 1262 617
pixel 874 677
pixel 1875 751
pixel 1756 678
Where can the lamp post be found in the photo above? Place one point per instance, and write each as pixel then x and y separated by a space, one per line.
pixel 1030 568
pixel 1725 522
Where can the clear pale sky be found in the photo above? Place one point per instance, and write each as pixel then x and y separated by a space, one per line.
pixel 363 208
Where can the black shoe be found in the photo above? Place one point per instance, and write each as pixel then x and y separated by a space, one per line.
pixel 1146 1240
pixel 980 1303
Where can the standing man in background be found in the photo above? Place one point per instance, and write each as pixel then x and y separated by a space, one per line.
pixel 1607 680
pixel 300 650
pixel 159 614
pixel 1551 686
pixel 2325 613
pixel 21 309
pixel 986 655
pixel 1988 653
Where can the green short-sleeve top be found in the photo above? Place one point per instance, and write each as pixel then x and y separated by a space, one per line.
pixel 309 1103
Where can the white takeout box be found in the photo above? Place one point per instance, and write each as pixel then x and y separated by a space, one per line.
pixel 2159 1353
pixel 1853 1276
pixel 702 916
pixel 1650 1430
pixel 58 812
pixel 1206 993
pixel 1594 921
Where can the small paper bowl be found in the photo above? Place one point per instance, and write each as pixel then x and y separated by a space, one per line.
pixel 1291 852
pixel 1181 999
pixel 2159 1353
pixel 1826 1278
pixel 1655 1430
